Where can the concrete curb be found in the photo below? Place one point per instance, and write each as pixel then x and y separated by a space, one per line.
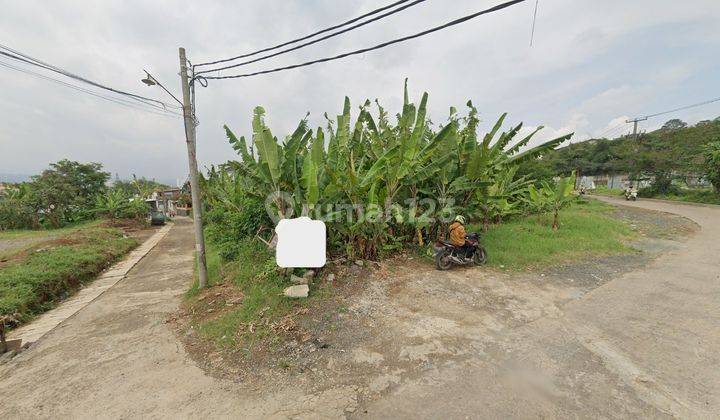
pixel 46 322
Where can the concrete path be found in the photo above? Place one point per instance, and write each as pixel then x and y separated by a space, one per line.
pixel 117 358
pixel 642 345
pixel 46 322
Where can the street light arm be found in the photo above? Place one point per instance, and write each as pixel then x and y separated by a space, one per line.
pixel 157 82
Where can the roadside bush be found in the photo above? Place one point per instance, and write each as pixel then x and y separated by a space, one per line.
pixel 662 184
pixel 231 216
pixel 18 208
pixel 115 204
pixel 711 164
pixel 659 190
pixel 14 214
pixel 136 209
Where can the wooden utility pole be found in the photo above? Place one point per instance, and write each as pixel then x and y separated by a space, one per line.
pixel 194 180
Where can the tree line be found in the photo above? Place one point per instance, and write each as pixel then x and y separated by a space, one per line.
pixel 668 156
pixel 69 192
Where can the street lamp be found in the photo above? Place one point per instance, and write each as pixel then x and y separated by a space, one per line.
pixel 150 80
pixel 189 121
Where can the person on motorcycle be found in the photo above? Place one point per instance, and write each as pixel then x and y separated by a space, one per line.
pixel 457 235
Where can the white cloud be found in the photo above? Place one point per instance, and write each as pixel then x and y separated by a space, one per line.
pixel 591 62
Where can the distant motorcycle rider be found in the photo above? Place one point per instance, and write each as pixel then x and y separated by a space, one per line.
pixel 457 235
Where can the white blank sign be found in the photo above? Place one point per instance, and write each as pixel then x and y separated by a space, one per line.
pixel 301 243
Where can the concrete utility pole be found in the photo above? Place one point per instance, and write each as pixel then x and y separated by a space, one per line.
pixel 635 121
pixel 194 179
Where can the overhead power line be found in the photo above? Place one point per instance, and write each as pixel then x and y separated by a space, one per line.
pixel 614 132
pixel 532 31
pixel 376 47
pixel 682 108
pixel 610 129
pixel 322 31
pixel 119 101
pixel 314 41
pixel 19 56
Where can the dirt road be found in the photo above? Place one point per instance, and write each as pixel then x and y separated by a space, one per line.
pixel 644 344
pixel 461 344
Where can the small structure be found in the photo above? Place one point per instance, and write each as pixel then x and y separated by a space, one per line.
pixel 165 201
pixel 613 181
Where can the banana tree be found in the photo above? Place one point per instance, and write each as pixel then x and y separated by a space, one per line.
pixel 370 160
pixel 562 195
pixel 539 199
pixel 279 166
pixel 112 204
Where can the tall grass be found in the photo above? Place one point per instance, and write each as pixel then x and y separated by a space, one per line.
pixel 529 242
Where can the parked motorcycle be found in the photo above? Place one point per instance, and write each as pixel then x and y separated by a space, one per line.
pixel 631 194
pixel 447 254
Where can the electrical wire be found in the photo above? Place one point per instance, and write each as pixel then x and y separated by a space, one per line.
pixel 322 31
pixel 614 133
pixel 683 108
pixel 315 41
pixel 532 31
pixel 17 55
pixel 159 105
pixel 118 101
pixel 608 130
pixel 376 47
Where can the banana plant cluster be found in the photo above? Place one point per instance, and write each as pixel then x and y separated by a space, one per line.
pixel 396 177
pixel 551 197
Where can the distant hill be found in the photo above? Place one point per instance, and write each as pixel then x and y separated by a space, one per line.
pixel 663 150
pixel 14 178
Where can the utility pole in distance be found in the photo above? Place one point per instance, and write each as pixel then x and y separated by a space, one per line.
pixel 194 179
pixel 635 121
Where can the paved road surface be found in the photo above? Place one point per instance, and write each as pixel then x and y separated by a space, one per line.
pixel 645 344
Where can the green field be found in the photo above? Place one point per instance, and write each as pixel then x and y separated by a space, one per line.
pixel 33 279
pixel 529 242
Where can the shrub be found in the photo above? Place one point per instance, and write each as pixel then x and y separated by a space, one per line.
pixel 229 223
pixel 711 164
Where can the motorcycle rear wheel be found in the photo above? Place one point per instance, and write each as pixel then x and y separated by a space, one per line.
pixel 480 257
pixel 442 260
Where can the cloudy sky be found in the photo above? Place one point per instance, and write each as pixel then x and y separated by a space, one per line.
pixel 593 63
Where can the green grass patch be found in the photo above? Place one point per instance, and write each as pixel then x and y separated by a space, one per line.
pixel 256 275
pixel 704 196
pixel 26 233
pixel 608 192
pixel 528 242
pixel 35 282
pixel 690 195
